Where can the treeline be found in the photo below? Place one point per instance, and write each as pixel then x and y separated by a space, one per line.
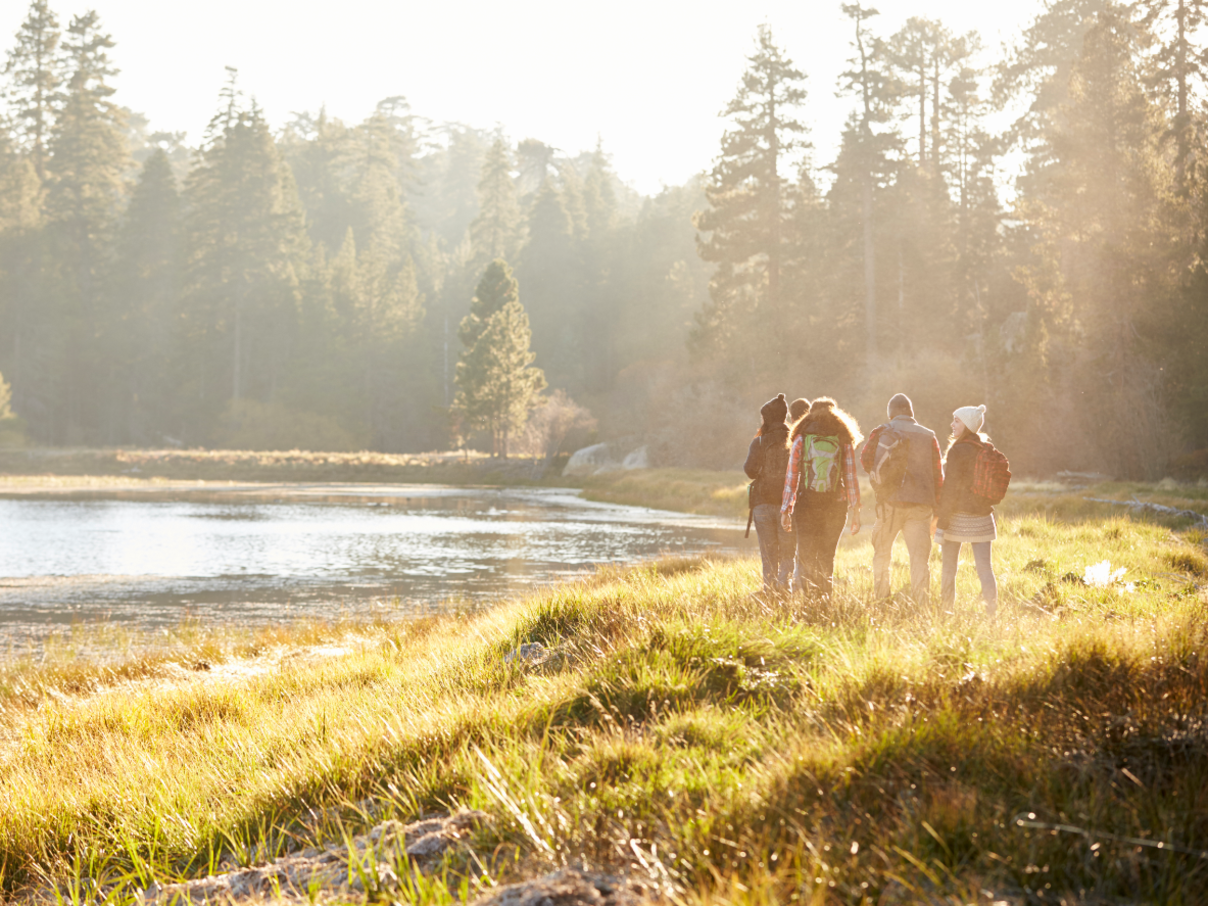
pixel 305 288
pixel 1078 312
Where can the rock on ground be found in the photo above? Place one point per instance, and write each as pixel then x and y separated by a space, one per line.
pixel 335 871
pixel 572 887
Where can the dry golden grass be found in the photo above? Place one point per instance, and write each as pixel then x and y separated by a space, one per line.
pixel 741 749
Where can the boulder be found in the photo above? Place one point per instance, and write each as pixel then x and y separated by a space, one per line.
pixel 637 459
pixel 591 461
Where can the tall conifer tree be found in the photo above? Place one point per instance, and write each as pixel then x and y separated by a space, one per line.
pixel 745 231
pixel 35 74
pixel 245 239
pixel 495 232
pixel 147 280
pixel 497 385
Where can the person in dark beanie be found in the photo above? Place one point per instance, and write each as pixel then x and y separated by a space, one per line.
pixel 767 461
pixel 821 491
pixel 909 506
pixel 798 409
pixel 965 517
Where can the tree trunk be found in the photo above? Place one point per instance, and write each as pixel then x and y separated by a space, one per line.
pixel 870 275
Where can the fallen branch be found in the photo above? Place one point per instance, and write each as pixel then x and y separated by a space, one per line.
pixel 1197 518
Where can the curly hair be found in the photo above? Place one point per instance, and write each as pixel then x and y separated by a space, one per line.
pixel 825 417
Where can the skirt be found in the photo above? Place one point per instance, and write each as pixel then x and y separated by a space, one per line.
pixel 967 528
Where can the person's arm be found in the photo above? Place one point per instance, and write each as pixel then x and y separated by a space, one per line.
pixel 789 496
pixel 937 465
pixel 853 486
pixel 754 459
pixel 868 455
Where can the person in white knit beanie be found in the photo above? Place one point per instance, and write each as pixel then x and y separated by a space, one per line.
pixel 972 417
pixel 964 517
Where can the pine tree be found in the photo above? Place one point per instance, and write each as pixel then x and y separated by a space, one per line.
pixel 319 152
pixel 1099 215
pixel 745 230
pixel 599 196
pixel 245 240
pixel 86 187
pixel 1179 63
pixel 497 385
pixel 864 150
pixel 550 268
pixel 142 334
pixel 35 73
pixel 495 232
pixel 1040 66
pixel 20 264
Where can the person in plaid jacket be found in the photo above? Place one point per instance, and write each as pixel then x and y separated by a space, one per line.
pixel 816 516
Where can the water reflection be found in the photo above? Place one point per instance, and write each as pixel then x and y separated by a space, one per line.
pixel 310 551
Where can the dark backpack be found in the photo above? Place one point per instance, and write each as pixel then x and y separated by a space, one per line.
pixel 889 464
pixel 991 473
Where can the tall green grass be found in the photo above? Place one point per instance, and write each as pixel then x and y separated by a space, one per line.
pixel 729 747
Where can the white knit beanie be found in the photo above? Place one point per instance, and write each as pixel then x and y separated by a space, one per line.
pixel 973 417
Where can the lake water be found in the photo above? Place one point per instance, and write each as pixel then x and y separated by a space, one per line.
pixel 151 562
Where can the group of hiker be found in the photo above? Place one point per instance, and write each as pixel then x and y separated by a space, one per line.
pixel 804 489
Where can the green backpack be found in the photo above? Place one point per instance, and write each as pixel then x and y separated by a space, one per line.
pixel 821 463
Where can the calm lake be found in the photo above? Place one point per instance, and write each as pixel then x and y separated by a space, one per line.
pixel 314 551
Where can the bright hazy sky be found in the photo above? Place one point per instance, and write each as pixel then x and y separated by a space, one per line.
pixel 649 78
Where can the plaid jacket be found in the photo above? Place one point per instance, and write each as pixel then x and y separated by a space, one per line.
pixel 850 484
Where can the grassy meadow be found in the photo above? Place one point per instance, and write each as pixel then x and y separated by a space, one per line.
pixel 726 747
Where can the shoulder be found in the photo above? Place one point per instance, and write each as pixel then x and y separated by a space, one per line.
pixel 962 452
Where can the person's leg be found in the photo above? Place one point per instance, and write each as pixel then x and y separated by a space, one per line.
pixel 985 571
pixel 828 542
pixel 952 552
pixel 806 527
pixel 884 531
pixel 767 529
pixel 917 532
pixel 787 553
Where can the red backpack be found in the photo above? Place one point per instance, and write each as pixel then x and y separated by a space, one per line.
pixel 991 474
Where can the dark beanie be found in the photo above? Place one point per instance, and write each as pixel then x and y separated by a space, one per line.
pixel 775 411
pixel 900 404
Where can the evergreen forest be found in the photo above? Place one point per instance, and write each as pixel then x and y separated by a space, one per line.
pixel 1024 226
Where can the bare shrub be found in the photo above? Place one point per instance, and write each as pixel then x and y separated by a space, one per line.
pixel 558 425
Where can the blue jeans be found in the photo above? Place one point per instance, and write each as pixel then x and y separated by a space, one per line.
pixel 985 572
pixel 775 547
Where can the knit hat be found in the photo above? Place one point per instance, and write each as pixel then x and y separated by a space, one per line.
pixel 775 411
pixel 900 404
pixel 973 417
